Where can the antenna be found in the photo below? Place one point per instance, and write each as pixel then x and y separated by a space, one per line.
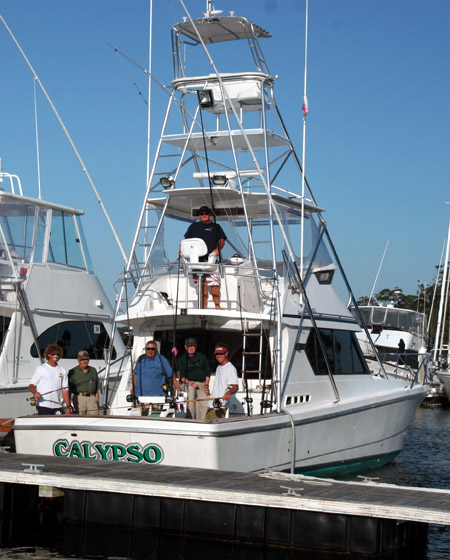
pixel 212 12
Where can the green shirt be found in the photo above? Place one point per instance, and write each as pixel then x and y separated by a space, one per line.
pixel 80 382
pixel 195 368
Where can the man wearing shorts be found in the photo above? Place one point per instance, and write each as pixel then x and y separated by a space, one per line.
pixel 214 237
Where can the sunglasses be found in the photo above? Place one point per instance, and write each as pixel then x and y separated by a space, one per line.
pixel 220 354
pixel 150 348
pixel 55 355
pixel 204 213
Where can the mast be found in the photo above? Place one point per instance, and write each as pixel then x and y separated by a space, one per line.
pixel 441 303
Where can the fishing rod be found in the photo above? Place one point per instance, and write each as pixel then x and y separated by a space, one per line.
pixel 33 399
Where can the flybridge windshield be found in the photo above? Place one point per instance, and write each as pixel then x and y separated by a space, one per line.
pixel 238 241
pixel 34 234
pixel 394 319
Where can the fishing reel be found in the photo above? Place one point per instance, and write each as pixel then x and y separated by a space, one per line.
pixel 266 404
pixel 165 388
pixel 131 398
pixel 32 401
pixel 217 403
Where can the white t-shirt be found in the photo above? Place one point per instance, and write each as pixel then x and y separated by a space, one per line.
pixel 226 377
pixel 47 378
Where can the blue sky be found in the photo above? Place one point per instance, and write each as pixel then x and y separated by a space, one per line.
pixel 377 144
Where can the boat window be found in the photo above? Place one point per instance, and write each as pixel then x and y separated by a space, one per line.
pixel 73 336
pixel 365 315
pixel 311 234
pixel 64 247
pixel 4 325
pixel 39 242
pixel 379 315
pixel 342 350
pixel 18 226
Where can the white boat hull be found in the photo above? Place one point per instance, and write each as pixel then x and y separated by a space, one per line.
pixel 340 436
pixel 444 378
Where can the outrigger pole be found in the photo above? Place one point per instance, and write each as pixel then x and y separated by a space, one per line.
pixel 305 112
pixel 66 132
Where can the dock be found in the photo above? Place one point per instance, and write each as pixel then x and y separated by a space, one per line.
pixel 271 508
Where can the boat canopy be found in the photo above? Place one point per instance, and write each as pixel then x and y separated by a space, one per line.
pixel 220 29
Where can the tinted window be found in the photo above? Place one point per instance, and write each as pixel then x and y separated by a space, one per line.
pixel 342 350
pixel 73 336
pixel 4 325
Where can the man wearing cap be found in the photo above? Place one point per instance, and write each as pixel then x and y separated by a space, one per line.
pixel 193 369
pixel 84 385
pixel 226 383
pixel 214 237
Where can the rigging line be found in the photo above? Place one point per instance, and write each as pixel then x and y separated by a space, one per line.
pixel 210 186
pixel 66 132
pixel 133 82
pixel 266 357
pixel 129 338
pixel 244 347
pixel 162 86
pixel 38 158
pixel 175 321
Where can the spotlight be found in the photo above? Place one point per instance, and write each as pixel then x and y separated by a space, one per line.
pixel 219 180
pixel 205 98
pixel 167 182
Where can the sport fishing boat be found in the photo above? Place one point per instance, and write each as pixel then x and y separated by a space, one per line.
pixel 394 330
pixel 48 294
pixel 307 399
pixel 395 336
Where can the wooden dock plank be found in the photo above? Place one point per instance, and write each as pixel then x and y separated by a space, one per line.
pixel 368 499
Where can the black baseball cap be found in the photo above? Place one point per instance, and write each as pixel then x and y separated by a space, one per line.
pixel 204 209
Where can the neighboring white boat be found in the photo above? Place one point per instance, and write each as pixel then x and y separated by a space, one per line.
pixel 307 399
pixel 48 294
pixel 399 335
pixel 444 378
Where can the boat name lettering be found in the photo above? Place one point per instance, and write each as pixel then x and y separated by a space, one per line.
pixel 132 453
